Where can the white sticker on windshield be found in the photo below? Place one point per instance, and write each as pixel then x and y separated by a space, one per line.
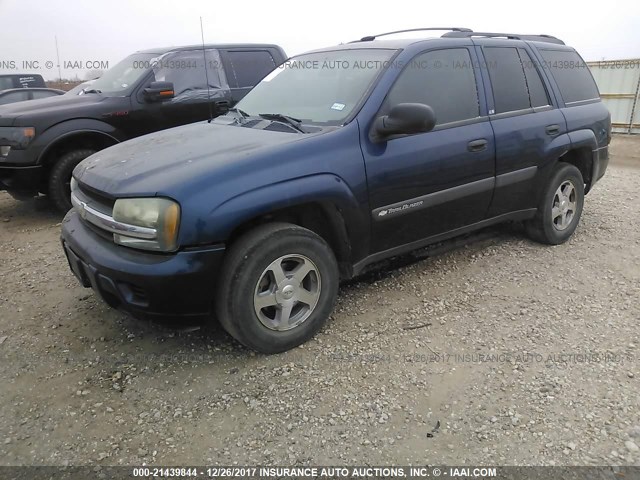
pixel 337 106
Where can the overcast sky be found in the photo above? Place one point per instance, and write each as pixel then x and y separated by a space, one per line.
pixel 108 31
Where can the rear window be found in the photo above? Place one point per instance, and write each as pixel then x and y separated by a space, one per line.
pixel 33 81
pixel 249 67
pixel 571 74
pixel 25 80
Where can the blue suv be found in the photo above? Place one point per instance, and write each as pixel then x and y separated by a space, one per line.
pixel 337 159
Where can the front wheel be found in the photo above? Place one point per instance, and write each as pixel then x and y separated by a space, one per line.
pixel 278 287
pixel 60 177
pixel 560 206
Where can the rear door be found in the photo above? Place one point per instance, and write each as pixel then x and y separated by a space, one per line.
pixel 245 68
pixel 526 122
pixel 430 183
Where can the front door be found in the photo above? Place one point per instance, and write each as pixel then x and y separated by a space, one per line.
pixel 193 101
pixel 430 183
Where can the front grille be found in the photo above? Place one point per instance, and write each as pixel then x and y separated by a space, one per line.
pixel 97 201
pixel 96 197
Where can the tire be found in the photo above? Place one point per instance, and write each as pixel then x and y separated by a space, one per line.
pixel 260 269
pixel 60 177
pixel 556 221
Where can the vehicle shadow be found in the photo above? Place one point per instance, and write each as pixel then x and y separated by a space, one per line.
pixel 210 341
pixel 31 212
pixel 387 268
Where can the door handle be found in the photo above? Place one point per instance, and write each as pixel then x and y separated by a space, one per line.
pixel 222 105
pixel 477 145
pixel 552 130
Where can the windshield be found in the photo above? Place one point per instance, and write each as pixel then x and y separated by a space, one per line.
pixel 321 88
pixel 120 78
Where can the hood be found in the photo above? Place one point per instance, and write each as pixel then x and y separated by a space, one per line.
pixel 68 106
pixel 165 162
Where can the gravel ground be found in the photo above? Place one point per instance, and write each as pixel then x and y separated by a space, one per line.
pixel 499 352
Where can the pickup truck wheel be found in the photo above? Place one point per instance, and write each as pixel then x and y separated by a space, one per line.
pixel 60 177
pixel 560 206
pixel 278 287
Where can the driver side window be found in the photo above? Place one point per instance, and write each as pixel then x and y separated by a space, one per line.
pixel 186 70
pixel 444 80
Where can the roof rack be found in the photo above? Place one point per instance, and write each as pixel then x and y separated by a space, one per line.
pixel 460 32
pixel 513 36
pixel 370 38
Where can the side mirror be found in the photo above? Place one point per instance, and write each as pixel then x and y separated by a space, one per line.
pixel 158 91
pixel 405 119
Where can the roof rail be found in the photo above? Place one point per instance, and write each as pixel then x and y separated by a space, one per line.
pixel 373 37
pixel 514 36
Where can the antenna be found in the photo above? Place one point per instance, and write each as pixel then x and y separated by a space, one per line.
pixel 206 72
pixel 58 55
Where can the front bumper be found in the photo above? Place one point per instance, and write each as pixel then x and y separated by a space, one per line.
pixel 21 179
pixel 18 172
pixel 176 287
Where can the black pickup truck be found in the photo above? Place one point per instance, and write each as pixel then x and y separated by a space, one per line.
pixel 42 141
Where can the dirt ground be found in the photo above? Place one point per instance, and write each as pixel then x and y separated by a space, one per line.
pixel 499 352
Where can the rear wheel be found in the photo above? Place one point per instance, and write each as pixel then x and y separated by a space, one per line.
pixel 59 187
pixel 560 206
pixel 278 287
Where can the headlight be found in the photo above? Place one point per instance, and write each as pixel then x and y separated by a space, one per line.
pixel 158 217
pixel 17 137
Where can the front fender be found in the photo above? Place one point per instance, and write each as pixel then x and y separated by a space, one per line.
pixel 60 131
pixel 322 188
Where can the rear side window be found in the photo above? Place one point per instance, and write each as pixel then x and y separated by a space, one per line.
pixel 442 79
pixel 571 74
pixel 14 97
pixel 42 94
pixel 510 90
pixel 537 91
pixel 6 83
pixel 249 67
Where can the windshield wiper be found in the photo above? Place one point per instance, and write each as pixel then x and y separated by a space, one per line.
pixel 91 90
pixel 286 119
pixel 242 115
